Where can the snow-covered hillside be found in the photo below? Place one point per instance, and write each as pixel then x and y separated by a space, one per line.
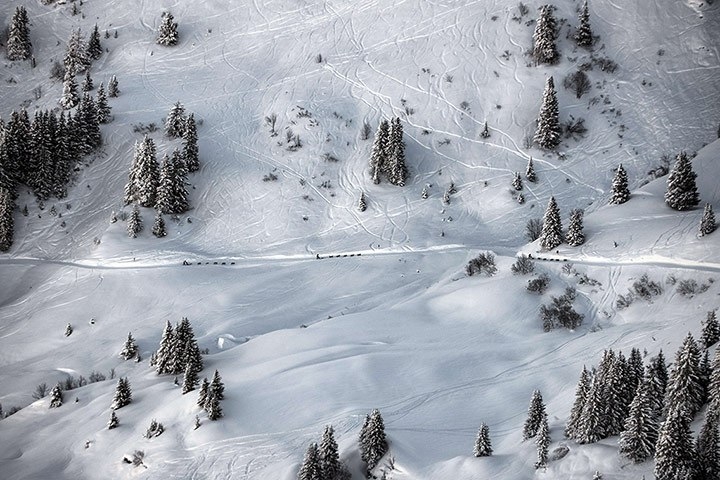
pixel 301 342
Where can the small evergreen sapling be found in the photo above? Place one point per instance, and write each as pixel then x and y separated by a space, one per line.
pixel 485 132
pixel 130 349
pixel 155 429
pixel 517 182
pixel 707 222
pixel 362 206
pixel 123 394
pixel 56 398
pixel 113 90
pixel 483 448
pixel 113 422
pixel 530 175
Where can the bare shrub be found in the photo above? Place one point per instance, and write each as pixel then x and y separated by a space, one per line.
pixel 523 265
pixel 483 263
pixel 538 285
pixel 533 229
pixel 577 82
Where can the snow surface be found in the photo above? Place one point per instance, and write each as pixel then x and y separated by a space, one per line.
pixel 300 342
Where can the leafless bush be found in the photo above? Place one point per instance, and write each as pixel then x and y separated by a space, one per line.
pixel 523 265
pixel 533 229
pixel 483 263
pixel 578 82
pixel 539 284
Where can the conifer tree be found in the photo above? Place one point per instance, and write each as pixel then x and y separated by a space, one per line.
pixel 56 399
pixel 204 388
pixel 707 450
pixel 113 90
pixel 190 145
pixel 517 182
pixel 168 31
pixel 175 121
pixel 544 49
pixel 163 356
pixel 87 82
pixel 639 435
pixel 682 191
pixel 543 443
pixel 620 191
pixel 70 98
pixel 710 330
pixel 114 422
pixel 19 46
pixel 310 468
pixel 616 396
pixel 590 424
pixel 483 448
pixel 362 206
pixel 217 387
pixel 123 394
pixel 212 406
pixel 373 443
pixel 103 109
pixel 576 236
pixel 707 222
pixel 7 225
pixel 17 146
pixel 658 377
pixel 581 394
pixel 714 386
pixel 547 133
pixel 164 202
pixel 134 225
pixel 378 155
pixel 485 132
pixel 87 124
pixel 190 379
pixel 130 349
pixel 397 170
pixel 530 171
pixel 674 453
pixel 536 414
pixel 76 58
pixel 143 177
pixel 583 34
pixel 328 456
pixel 180 194
pixel 158 228
pixel 551 235
pixel 684 391
pixel 94 48
pixel 636 369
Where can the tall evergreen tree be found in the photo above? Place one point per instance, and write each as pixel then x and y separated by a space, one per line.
pixel 620 191
pixel 581 394
pixel 707 222
pixel 175 121
pixel 328 456
pixel 217 387
pixel 682 191
pixel 544 49
pixel 530 171
pixel 94 47
pixel 535 416
pixel 707 450
pixel 88 125
pixel 7 223
pixel 636 369
pixel 70 97
pixel 674 452
pixel 684 391
pixel 617 396
pixel 130 349
pixel 123 394
pixel 134 225
pixel 543 443
pixel 639 435
pixel 373 443
pixel 76 58
pixel 551 235
pixel 212 406
pixel 658 377
pixel 17 146
pixel 710 330
pixel 583 34
pixel 203 395
pixel 190 378
pixel 590 426
pixel 378 155
pixel 163 356
pixel 19 46
pixel 310 468
pixel 483 448
pixel 547 133
pixel 397 170
pixel 56 397
pixel 190 145
pixel 168 31
pixel 158 228
pixel 164 202
pixel 101 101
pixel 576 236
pixel 714 386
pixel 143 178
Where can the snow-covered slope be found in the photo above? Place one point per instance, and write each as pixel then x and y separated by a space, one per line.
pixel 398 328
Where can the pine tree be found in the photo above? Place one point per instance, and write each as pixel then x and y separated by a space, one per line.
pixel 190 145
pixel 581 394
pixel 543 443
pixel 373 443
pixel 639 435
pixel 190 379
pixel 684 391
pixel 707 450
pixel 714 386
pixel 164 198
pixel 163 356
pixel 536 414
pixel 87 85
pixel 88 125
pixel 70 98
pixel 682 191
pixel 134 225
pixel 547 133
pixel 551 235
pixel 103 109
pixel 707 222
pixel 212 407
pixel 56 399
pixel 530 171
pixel 175 121
pixel 590 427
pixel 620 191
pixel 76 58
pixel 19 46
pixel 114 422
pixel 168 31
pixel 378 155
pixel 674 453
pixel 310 468
pixel 113 90
pixel 203 395
pixel 328 456
pixel 583 34
pixel 576 236
pixel 517 182
pixel 143 177
pixel 617 398
pixel 6 220
pixel 130 349
pixel 397 170
pixel 94 48
pixel 710 330
pixel 483 448
pixel 658 377
pixel 544 49
pixel 123 394
pixel 362 206
pixel 158 228
pixel 180 194
pixel 217 387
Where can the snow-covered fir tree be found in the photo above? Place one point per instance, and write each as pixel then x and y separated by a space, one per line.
pixel 544 48
pixel 362 206
pixel 575 236
pixel 163 356
pixel 190 378
pixel 373 442
pixel 190 145
pixel 18 43
pixel 684 390
pixel 536 414
pixel 203 394
pixel 130 349
pixel 530 175
pixel 639 435
pixel 397 171
pixel 713 391
pixel 517 182
pixel 217 387
pixel 682 191
pixel 94 47
pixel 589 427
pixel 674 453
pixel 378 154
pixel 710 330
pixel 76 58
pixel 123 394
pixel 70 97
pixel 134 224
pixel 113 90
pixel 483 447
pixel 175 121
pixel 56 396
pixel 707 450
pixel 551 235
pixel 620 191
pixel 658 376
pixel 113 422
pixel 87 125
pixel 328 457
pixel 167 34
pixel 212 407
pixel 158 228
pixel 179 192
pixel 164 200
pixel 143 177
pixel 583 33
pixel 87 84
pixel 542 441
pixel 310 468
pixel 707 222
pixel 103 108
pixel 581 393
pixel 547 133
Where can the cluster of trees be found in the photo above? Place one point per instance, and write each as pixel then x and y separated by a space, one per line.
pixel 178 350
pixel 211 392
pixel 552 235
pixel 388 153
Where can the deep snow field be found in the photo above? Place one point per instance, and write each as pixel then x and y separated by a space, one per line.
pixel 302 343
